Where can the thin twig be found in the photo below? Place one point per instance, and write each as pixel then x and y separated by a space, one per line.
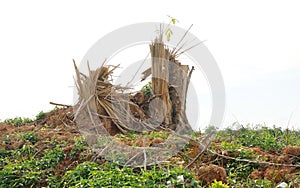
pixel 178 54
pixel 57 104
pixel 181 39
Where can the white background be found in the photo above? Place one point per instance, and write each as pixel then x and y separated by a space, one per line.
pixel 256 45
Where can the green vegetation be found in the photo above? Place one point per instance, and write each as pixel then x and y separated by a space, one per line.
pixel 27 172
pixel 30 137
pixel 239 143
pixel 40 116
pixel 147 89
pixel 151 135
pixel 90 174
pixel 218 184
pixel 270 139
pixel 18 121
pixel 79 146
pixel 55 157
pixel 168 31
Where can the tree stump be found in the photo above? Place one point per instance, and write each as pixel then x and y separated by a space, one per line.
pixel 170 82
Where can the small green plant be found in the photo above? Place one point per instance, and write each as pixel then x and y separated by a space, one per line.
pixel 218 184
pixel 247 154
pixel 147 89
pixel 157 134
pixel 30 137
pixel 230 146
pixel 79 146
pixel 52 157
pixel 260 183
pixel 169 32
pixel 239 171
pixel 40 116
pixel 3 153
pixel 7 139
pixel 27 150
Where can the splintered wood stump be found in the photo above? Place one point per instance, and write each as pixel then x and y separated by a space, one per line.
pixel 170 82
pixel 160 82
pixel 179 77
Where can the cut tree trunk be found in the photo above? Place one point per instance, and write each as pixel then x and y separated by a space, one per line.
pixel 170 82
pixel 160 82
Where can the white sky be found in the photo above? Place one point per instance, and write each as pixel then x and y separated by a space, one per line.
pixel 255 43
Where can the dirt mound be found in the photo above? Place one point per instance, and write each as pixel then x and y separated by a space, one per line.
pixel 56 125
pixel 209 173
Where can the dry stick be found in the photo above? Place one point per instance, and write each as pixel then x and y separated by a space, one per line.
pixel 188 83
pixel 82 105
pixel 133 157
pixel 138 154
pixel 182 39
pixel 78 76
pixel 78 110
pixel 197 157
pixel 111 70
pixel 175 51
pixel 88 65
pixel 83 75
pixel 102 151
pixel 182 154
pixel 190 48
pixel 145 155
pixel 190 75
pixel 251 161
pixel 146 74
pixel 76 85
pixel 138 69
pixel 66 125
pixel 57 104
